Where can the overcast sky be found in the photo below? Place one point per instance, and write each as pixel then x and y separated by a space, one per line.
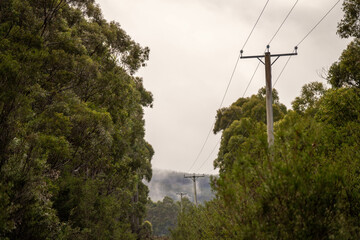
pixel 194 46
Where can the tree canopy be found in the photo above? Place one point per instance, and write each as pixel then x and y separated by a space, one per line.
pixel 72 148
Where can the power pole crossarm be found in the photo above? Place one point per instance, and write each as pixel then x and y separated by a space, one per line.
pixel 194 177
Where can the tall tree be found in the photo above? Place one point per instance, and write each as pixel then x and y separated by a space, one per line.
pixel 345 72
pixel 72 148
pixel 349 26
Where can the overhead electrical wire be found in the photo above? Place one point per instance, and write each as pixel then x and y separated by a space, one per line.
pixel 272 38
pixel 212 151
pixel 282 70
pixel 228 85
pixel 252 30
pixel 289 58
pixel 300 42
pixel 252 77
pixel 202 148
pixel 212 126
pixel 327 13
pixel 277 31
pixel 307 35
pixel 218 142
pixel 318 22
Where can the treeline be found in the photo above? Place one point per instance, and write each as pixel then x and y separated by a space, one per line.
pixel 163 214
pixel 72 148
pixel 307 186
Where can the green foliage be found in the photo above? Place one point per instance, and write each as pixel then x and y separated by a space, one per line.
pixel 72 148
pixel 339 106
pixel 346 72
pixel 350 25
pixel 241 120
pixel 305 187
pixel 253 107
pixel 309 98
pixel 203 222
pixel 163 215
pixel 146 230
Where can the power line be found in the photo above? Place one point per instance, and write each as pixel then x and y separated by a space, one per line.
pixel 212 126
pixel 272 38
pixel 257 68
pixel 327 13
pixel 222 102
pixel 252 77
pixel 227 88
pixel 318 23
pixel 228 85
pixel 282 70
pixel 202 148
pixel 303 39
pixel 237 142
pixel 252 30
pixel 277 31
pixel 209 155
pixel 232 75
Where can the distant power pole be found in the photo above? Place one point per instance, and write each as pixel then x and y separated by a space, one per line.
pixel 269 110
pixel 181 197
pixel 194 177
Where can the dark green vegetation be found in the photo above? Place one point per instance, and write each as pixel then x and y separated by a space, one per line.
pixel 307 186
pixel 164 185
pixel 163 214
pixel 72 148
pixel 168 183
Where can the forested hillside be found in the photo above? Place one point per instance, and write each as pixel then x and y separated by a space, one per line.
pixel 305 186
pixel 168 183
pixel 72 148
pixel 164 204
pixel 163 214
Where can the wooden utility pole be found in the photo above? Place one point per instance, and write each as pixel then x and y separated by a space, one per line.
pixel 181 197
pixel 269 110
pixel 194 177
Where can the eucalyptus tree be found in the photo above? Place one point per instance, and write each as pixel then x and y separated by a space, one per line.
pixel 72 148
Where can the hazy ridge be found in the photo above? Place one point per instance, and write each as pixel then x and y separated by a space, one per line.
pixel 168 183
